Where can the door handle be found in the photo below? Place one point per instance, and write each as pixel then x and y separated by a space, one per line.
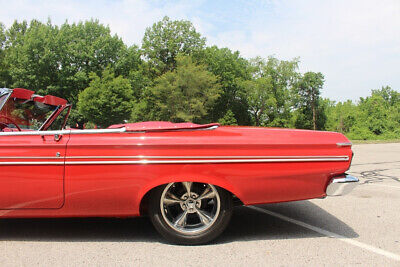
pixel 57 137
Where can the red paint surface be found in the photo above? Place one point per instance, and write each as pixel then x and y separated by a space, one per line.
pixel 31 187
pixel 117 190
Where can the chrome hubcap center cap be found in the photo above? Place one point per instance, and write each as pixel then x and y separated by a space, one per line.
pixel 190 204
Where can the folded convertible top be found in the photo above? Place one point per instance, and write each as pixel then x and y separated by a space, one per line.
pixel 22 93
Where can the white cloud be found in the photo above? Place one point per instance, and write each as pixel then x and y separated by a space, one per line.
pixel 127 18
pixel 356 44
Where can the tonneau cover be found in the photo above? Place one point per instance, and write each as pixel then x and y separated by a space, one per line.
pixel 161 126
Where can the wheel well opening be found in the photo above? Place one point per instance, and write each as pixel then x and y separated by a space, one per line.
pixel 144 203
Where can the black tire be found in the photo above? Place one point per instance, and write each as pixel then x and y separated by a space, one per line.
pixel 221 220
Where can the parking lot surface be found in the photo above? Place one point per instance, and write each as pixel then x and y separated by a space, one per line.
pixel 362 228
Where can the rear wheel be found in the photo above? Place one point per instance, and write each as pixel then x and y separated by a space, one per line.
pixel 190 213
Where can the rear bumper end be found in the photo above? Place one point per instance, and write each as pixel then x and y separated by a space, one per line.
pixel 341 185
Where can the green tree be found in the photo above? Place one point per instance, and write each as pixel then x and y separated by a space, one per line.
pixel 309 90
pixel 167 38
pixel 4 74
pixel 261 99
pixel 390 96
pixel 283 78
pixel 58 60
pixel 231 69
pixel 128 60
pixel 374 117
pixel 32 54
pixel 186 93
pixel 380 112
pixel 341 116
pixel 228 119
pixel 107 100
pixel 131 66
pixel 84 47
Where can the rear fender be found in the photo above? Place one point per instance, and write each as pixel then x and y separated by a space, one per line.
pixel 188 177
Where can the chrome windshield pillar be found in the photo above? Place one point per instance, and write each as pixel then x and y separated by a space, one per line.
pixel 4 92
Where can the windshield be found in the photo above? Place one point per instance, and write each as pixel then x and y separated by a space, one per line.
pixel 26 114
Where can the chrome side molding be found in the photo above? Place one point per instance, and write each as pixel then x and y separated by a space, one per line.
pixel 145 161
pixel 341 185
pixel 62 132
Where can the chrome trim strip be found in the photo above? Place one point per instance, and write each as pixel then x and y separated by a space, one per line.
pixel 144 161
pixel 344 158
pixel 94 131
pixel 344 144
pixel 38 133
pixel 194 161
pixel 33 163
pixel 43 133
pixel 12 157
pixel 208 157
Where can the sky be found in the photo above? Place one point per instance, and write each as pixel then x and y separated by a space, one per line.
pixel 354 43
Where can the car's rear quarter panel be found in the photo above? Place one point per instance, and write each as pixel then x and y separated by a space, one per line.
pixel 118 189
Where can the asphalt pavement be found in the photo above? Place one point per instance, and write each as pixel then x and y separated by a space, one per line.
pixel 362 228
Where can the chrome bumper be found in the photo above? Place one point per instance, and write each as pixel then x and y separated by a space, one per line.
pixel 341 185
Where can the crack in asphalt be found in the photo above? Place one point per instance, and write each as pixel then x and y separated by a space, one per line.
pixel 375 176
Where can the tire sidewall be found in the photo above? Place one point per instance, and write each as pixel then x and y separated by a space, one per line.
pixel 173 236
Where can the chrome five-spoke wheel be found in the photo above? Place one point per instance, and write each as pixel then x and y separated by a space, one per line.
pixel 190 213
pixel 190 208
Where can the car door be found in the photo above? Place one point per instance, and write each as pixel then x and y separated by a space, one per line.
pixel 32 169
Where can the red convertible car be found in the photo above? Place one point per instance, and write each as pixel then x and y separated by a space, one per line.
pixel 186 177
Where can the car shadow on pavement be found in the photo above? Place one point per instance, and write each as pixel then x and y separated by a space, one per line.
pixel 138 229
pixel 246 225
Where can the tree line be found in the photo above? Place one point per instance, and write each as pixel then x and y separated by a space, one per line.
pixel 174 76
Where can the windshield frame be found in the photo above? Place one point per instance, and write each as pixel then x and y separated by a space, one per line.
pixel 4 92
pixel 49 120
